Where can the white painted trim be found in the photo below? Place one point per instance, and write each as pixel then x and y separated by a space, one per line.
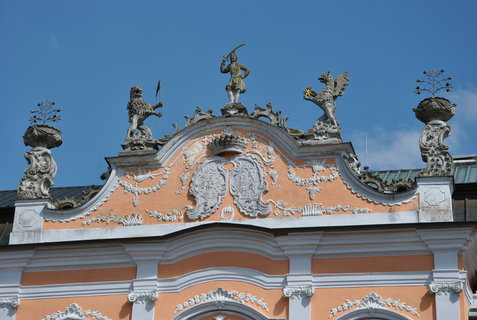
pixel 86 209
pixel 372 279
pixel 365 192
pixel 49 236
pixel 194 278
pixel 76 290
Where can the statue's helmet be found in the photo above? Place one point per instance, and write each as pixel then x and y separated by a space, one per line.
pixel 135 93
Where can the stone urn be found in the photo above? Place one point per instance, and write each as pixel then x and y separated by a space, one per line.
pixel 38 178
pixel 435 108
pixel 42 135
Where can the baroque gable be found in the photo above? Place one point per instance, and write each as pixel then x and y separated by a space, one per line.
pixel 230 170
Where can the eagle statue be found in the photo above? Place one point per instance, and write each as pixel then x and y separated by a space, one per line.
pixel 328 95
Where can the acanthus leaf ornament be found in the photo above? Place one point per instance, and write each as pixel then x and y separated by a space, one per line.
pixel 220 297
pixel 371 302
pixel 209 186
pixel 247 185
pixel 74 312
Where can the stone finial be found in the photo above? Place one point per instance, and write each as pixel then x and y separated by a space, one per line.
pixel 139 136
pixel 38 178
pixel 433 112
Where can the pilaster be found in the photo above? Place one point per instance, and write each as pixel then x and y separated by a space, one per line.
pixel 144 288
pixel 12 264
pixel 299 247
pixel 447 282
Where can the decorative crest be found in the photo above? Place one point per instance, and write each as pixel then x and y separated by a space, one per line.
pixel 433 82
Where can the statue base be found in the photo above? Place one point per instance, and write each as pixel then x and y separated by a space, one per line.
pixel 139 146
pixel 234 108
pixel 322 133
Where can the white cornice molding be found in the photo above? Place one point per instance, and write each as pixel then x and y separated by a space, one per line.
pixel 300 243
pixel 62 235
pixel 78 256
pixel 76 290
pixel 372 279
pixel 447 239
pixel 15 259
pixel 257 278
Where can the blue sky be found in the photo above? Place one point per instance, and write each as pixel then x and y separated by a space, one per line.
pixel 85 55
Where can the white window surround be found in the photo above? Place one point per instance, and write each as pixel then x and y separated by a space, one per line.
pixel 377 314
pixel 202 310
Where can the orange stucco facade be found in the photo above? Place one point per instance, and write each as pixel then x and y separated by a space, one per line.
pixel 257 227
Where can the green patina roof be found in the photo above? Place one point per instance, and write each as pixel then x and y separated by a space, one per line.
pixel 465 171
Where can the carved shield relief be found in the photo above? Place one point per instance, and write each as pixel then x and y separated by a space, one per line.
pixel 209 186
pixel 247 185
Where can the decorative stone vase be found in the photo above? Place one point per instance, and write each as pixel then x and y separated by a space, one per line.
pixel 38 178
pixel 434 111
pixel 435 108
pixel 42 135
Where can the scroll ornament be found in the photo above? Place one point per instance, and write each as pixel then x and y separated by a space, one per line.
pixel 433 112
pixel 298 292
pixel 446 288
pixel 38 178
pixel 142 296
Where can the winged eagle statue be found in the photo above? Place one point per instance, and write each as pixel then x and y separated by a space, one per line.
pixel 328 95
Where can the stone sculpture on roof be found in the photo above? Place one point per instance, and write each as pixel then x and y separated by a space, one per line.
pixel 38 178
pixel 139 136
pixel 327 126
pixel 433 111
pixel 236 85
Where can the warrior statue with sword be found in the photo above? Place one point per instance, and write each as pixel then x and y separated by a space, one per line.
pixel 236 86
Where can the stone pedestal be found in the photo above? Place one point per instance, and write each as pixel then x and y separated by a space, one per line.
pixel 235 108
